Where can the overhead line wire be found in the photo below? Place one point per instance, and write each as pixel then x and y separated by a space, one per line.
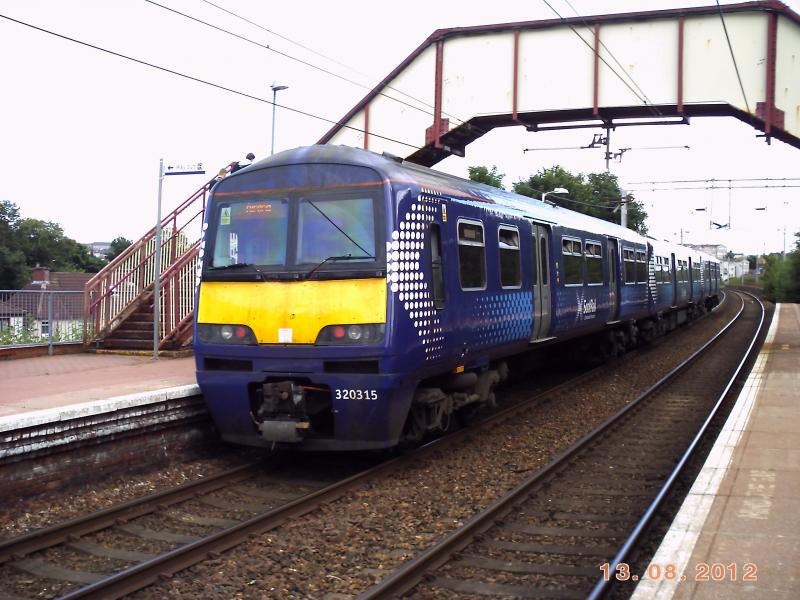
pixel 199 80
pixel 285 55
pixel 710 187
pixel 730 49
pixel 275 33
pixel 714 179
pixel 283 37
pixel 589 204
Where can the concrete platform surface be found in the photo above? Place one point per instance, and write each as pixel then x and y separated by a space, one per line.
pixel 737 534
pixel 50 382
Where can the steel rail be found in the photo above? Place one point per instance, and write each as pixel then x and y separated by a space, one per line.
pixel 412 572
pixel 603 584
pixel 143 574
pixel 53 535
pixel 138 576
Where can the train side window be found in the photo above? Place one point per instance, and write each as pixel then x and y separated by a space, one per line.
pixel 573 259
pixel 471 255
pixel 641 266
pixel 594 263
pixel 629 258
pixel 510 265
pixel 544 260
pixel 684 274
pixel 436 267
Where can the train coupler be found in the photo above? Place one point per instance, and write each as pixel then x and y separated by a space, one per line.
pixel 280 413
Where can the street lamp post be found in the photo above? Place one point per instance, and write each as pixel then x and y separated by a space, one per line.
pixel 558 190
pixel 275 90
pixel 157 266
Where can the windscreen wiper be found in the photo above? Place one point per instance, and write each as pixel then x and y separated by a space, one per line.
pixel 240 265
pixel 335 259
pixel 233 266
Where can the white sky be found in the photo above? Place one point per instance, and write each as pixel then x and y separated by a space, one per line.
pixel 81 132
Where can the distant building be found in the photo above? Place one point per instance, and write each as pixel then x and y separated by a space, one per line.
pixel 731 265
pixel 37 315
pixel 98 249
pixel 718 251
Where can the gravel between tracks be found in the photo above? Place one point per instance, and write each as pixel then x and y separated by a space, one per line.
pixel 348 545
pixel 20 516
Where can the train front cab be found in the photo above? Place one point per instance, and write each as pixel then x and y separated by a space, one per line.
pixel 293 328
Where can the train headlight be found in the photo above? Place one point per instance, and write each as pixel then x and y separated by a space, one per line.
pixel 225 334
pixel 367 333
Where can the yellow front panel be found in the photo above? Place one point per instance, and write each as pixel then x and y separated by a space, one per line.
pixel 292 312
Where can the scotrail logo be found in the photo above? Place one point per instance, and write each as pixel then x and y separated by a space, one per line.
pixel 589 308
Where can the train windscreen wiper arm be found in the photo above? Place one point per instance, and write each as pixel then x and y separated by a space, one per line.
pixel 335 259
pixel 342 231
pixel 233 266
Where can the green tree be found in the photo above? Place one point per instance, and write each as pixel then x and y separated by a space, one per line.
pixel 487 176
pixel 782 275
pixel 26 243
pixel 45 244
pixel 794 271
pixel 776 278
pixel 14 273
pixel 595 194
pixel 118 245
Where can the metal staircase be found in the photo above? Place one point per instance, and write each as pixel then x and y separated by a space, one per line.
pixel 118 302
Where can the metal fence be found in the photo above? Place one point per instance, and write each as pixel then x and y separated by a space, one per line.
pixel 40 318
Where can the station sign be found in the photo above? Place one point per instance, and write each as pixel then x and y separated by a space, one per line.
pixel 185 169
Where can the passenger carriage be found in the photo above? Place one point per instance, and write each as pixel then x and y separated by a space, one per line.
pixel 349 300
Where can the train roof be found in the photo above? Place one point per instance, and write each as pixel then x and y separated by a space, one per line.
pixel 456 189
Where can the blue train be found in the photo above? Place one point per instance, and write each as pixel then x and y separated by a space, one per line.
pixel 350 301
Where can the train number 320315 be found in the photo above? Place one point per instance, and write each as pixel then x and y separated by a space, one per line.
pixel 356 394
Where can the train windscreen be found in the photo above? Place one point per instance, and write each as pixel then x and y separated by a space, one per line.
pixel 303 229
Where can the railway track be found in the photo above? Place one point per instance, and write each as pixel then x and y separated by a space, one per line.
pixel 565 531
pixel 261 498
pixel 132 570
pixel 166 524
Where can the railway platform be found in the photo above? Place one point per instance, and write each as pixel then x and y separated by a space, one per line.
pixel 55 411
pixel 737 534
pixel 59 383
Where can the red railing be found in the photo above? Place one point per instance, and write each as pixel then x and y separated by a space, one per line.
pixel 177 298
pixel 119 288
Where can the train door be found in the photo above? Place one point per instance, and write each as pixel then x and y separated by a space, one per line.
pixel 674 278
pixel 541 281
pixel 613 290
pixel 691 279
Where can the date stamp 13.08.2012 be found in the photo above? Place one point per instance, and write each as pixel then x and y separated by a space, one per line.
pixel 702 572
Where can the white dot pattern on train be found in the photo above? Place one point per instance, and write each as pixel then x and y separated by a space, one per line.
pixel 405 277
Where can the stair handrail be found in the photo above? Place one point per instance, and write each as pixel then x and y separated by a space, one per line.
pixel 177 292
pixel 130 276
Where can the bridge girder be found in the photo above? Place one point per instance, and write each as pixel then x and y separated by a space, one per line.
pixel 585 71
